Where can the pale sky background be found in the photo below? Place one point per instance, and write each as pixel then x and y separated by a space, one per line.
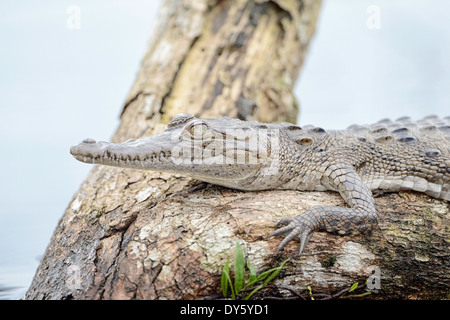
pixel 58 86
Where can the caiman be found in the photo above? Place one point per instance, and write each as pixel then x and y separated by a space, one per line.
pixel 387 156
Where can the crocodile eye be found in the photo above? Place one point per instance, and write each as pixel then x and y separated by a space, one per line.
pixel 198 130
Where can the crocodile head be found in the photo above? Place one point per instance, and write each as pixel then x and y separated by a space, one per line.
pixel 222 151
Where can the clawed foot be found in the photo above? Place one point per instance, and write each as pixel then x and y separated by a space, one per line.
pixel 299 226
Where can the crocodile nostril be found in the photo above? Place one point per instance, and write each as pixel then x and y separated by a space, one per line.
pixel 89 140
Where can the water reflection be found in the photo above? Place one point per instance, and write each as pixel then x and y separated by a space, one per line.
pixel 11 293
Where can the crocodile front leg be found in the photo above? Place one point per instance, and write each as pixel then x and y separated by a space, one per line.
pixel 360 217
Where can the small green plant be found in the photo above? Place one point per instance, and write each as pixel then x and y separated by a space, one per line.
pixel 353 287
pixel 239 275
pixel 310 292
pixel 341 293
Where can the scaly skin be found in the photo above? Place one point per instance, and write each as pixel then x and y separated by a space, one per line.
pixel 387 156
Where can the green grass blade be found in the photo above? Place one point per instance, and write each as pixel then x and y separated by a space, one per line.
pixel 252 271
pixel 265 274
pixel 310 292
pixel 253 292
pixel 223 279
pixel 233 295
pixel 270 274
pixel 275 273
pixel 239 268
pixel 353 287
pixel 252 275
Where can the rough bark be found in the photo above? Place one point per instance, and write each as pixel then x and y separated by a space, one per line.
pixel 130 234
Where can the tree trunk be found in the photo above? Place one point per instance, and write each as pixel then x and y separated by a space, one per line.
pixel 130 234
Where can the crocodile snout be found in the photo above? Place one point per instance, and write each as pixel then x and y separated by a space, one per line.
pixel 88 140
pixel 86 147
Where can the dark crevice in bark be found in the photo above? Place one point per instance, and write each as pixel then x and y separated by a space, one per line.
pixel 175 76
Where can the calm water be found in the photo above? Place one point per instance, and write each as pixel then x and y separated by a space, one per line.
pixel 22 244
